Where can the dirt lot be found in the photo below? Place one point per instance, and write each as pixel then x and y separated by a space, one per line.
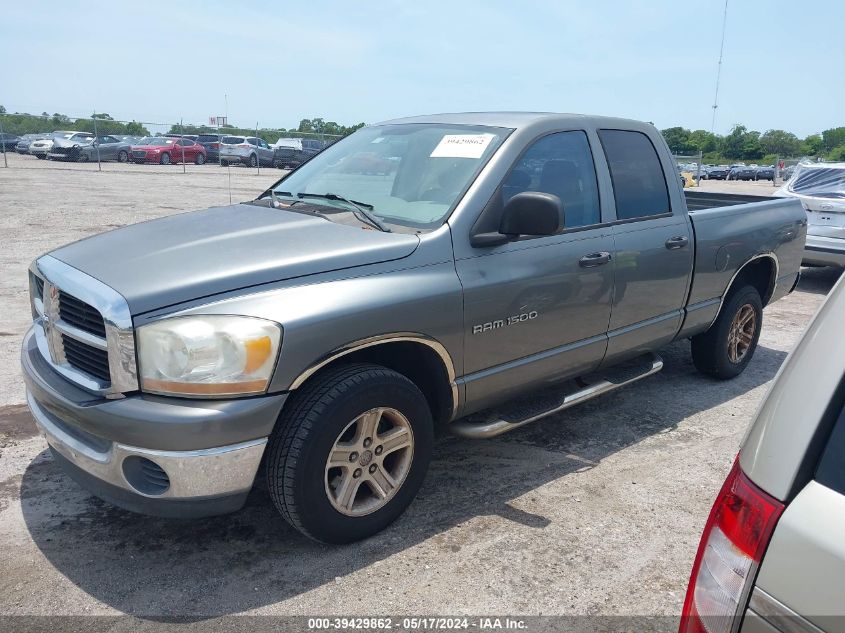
pixel 594 511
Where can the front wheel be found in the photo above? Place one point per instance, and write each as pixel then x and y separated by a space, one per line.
pixel 727 347
pixel 200 159
pixel 165 159
pixel 349 452
pixel 122 156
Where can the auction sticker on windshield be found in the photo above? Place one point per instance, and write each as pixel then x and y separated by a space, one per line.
pixel 462 145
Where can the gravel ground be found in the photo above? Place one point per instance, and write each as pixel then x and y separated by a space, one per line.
pixel 597 510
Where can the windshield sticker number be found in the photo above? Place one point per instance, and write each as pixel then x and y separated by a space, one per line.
pixel 462 145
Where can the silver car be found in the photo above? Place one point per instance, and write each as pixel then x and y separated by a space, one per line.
pixel 42 147
pixel 84 147
pixel 772 556
pixel 249 150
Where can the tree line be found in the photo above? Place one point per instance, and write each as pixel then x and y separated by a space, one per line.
pixel 306 128
pixel 23 123
pixel 744 144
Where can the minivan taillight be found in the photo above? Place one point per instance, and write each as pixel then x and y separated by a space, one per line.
pixel 735 537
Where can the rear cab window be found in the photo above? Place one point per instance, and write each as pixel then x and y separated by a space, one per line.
pixel 639 183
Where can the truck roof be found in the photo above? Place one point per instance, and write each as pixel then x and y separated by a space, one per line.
pixel 518 119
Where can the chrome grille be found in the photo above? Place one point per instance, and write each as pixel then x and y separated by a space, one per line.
pixel 79 314
pixel 86 358
pixel 83 328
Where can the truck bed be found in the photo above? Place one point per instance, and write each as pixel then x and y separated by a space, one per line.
pixel 698 200
pixel 731 229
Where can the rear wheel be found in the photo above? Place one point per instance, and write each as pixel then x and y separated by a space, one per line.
pixel 253 160
pixel 82 157
pixel 224 163
pixel 727 347
pixel 165 159
pixel 349 452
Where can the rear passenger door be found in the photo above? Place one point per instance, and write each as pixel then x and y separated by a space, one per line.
pixel 653 247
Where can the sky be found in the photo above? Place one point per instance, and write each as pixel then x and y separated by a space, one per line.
pixel 274 63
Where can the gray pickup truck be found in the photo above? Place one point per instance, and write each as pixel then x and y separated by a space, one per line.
pixel 421 273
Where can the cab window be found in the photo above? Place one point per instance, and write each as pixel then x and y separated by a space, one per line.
pixel 559 164
pixel 639 185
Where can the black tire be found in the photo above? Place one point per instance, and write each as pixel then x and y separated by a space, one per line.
pixel 41 156
pixel 710 353
pixel 164 159
pixel 200 159
pixel 306 432
pixel 82 157
pixel 253 160
pixel 123 156
pixel 224 163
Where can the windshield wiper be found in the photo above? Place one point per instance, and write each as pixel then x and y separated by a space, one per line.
pixel 362 209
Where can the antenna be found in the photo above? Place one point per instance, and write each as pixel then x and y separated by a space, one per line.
pixel 719 70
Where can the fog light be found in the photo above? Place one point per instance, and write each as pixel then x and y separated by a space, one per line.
pixel 145 475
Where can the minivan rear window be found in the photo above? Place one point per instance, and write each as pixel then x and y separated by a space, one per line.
pixel 831 469
pixel 233 140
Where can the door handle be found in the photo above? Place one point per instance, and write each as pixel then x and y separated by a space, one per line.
pixel 679 241
pixel 594 259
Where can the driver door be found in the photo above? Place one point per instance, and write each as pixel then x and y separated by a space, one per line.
pixel 536 310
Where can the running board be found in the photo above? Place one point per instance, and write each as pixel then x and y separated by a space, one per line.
pixel 615 378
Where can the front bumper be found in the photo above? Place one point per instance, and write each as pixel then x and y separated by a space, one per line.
pixel 107 445
pixel 39 150
pixel 824 251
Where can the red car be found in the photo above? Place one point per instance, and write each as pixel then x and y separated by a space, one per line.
pixel 165 150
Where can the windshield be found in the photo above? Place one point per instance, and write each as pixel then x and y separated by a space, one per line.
pixel 819 182
pixel 156 140
pixel 412 174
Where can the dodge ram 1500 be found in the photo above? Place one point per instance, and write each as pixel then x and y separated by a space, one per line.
pixel 420 272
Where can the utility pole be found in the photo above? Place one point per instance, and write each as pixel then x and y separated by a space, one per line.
pixel 719 69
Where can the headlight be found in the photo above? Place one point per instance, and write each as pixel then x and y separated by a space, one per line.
pixel 208 355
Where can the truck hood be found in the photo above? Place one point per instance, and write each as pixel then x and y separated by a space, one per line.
pixel 193 255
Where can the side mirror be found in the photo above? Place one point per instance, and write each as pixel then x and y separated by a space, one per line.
pixel 526 213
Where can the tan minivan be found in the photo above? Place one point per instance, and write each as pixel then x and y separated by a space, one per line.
pixel 772 556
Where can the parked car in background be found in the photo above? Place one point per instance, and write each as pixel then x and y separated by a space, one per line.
pixel 84 147
pixel 821 189
pixel 41 147
pixel 745 172
pixel 211 143
pixel 248 150
pixel 293 152
pixel 67 147
pixel 8 141
pixel 26 140
pixel 772 556
pixel 193 137
pixel 786 172
pixel 718 172
pixel 165 150
pixel 765 173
